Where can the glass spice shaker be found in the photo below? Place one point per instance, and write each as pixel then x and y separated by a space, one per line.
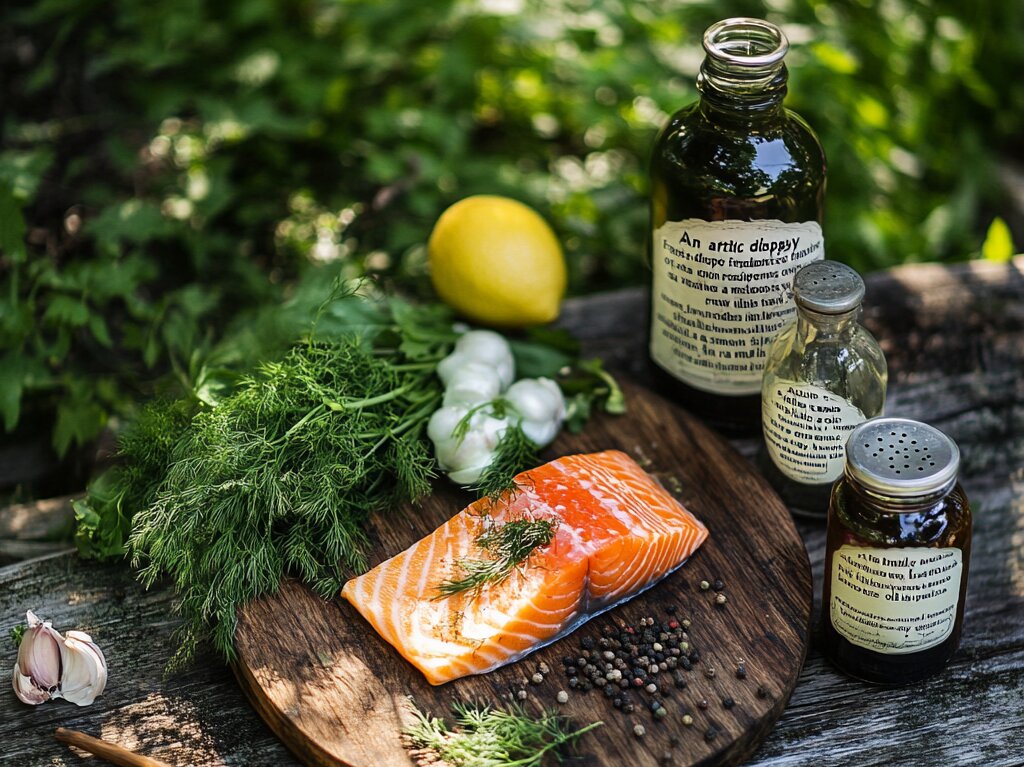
pixel 737 187
pixel 825 374
pixel 897 554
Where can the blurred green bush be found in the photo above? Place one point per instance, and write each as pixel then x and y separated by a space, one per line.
pixel 166 165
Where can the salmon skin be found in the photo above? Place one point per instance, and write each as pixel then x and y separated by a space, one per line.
pixel 618 533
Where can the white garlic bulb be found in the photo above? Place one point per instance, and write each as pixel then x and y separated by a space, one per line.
pixel 53 666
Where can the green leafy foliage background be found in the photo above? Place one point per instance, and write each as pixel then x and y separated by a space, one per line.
pixel 165 166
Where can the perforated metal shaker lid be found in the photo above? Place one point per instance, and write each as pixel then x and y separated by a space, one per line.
pixel 902 458
pixel 828 287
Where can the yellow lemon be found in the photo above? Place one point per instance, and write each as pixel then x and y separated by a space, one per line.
pixel 497 262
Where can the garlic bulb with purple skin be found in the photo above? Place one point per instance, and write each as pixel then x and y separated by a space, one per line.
pixel 53 666
pixel 37 671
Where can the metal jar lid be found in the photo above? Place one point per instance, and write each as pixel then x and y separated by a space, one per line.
pixel 901 458
pixel 828 287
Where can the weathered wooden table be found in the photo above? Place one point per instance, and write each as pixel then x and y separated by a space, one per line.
pixel 954 338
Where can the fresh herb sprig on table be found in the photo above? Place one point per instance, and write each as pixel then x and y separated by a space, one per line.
pixel 491 737
pixel 509 544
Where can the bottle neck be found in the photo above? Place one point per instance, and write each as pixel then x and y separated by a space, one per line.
pixel 741 92
pixel 812 325
pixel 878 502
pixel 743 74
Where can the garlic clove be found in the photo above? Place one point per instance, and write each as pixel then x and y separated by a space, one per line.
pixel 440 428
pixel 85 669
pixel 38 669
pixel 537 399
pixel 472 384
pixel 540 433
pixel 26 689
pixel 488 347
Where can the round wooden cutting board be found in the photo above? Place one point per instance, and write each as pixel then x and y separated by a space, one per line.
pixel 338 694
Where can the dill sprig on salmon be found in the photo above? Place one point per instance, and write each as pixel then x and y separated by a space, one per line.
pixel 510 545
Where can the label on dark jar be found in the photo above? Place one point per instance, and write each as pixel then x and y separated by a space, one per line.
pixel 721 292
pixel 895 601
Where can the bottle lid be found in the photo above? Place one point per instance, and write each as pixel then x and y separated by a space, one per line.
pixel 745 42
pixel 828 287
pixel 901 458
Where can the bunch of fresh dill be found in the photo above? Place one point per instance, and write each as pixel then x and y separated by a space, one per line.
pixel 491 737
pixel 280 477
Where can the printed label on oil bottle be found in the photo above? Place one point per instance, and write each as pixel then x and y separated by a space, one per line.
pixel 895 601
pixel 720 294
pixel 805 429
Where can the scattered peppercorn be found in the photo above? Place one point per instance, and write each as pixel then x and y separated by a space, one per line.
pixel 741 671
pixel 563 696
pixel 718 585
pixel 537 678
pixel 687 720
pixel 639 730
pixel 544 668
pixel 521 695
pixel 709 672
pixel 710 734
pixel 704 585
pixel 702 704
pixel 661 712
pixel 728 702
pixel 651 688
pixel 720 599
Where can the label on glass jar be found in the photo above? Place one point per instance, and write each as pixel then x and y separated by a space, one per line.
pixel 895 601
pixel 805 429
pixel 720 294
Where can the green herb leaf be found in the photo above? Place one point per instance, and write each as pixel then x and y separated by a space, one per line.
pixel 16 634
pixel 510 545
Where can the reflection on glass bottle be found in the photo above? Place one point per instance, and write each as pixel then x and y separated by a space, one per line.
pixel 825 375
pixel 737 185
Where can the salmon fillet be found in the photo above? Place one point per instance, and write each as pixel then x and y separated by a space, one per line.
pixel 618 533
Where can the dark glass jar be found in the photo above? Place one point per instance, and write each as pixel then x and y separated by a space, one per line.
pixel 737 186
pixel 897 554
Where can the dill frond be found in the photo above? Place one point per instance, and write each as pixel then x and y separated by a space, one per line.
pixel 485 736
pixel 514 454
pixel 510 545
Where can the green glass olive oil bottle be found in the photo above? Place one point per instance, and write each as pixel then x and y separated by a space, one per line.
pixel 737 187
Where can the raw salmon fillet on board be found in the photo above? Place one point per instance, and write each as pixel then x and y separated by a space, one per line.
pixel 618 532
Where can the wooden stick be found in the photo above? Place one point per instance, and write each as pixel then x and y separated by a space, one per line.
pixel 113 754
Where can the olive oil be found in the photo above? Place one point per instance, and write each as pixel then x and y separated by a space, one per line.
pixel 737 186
